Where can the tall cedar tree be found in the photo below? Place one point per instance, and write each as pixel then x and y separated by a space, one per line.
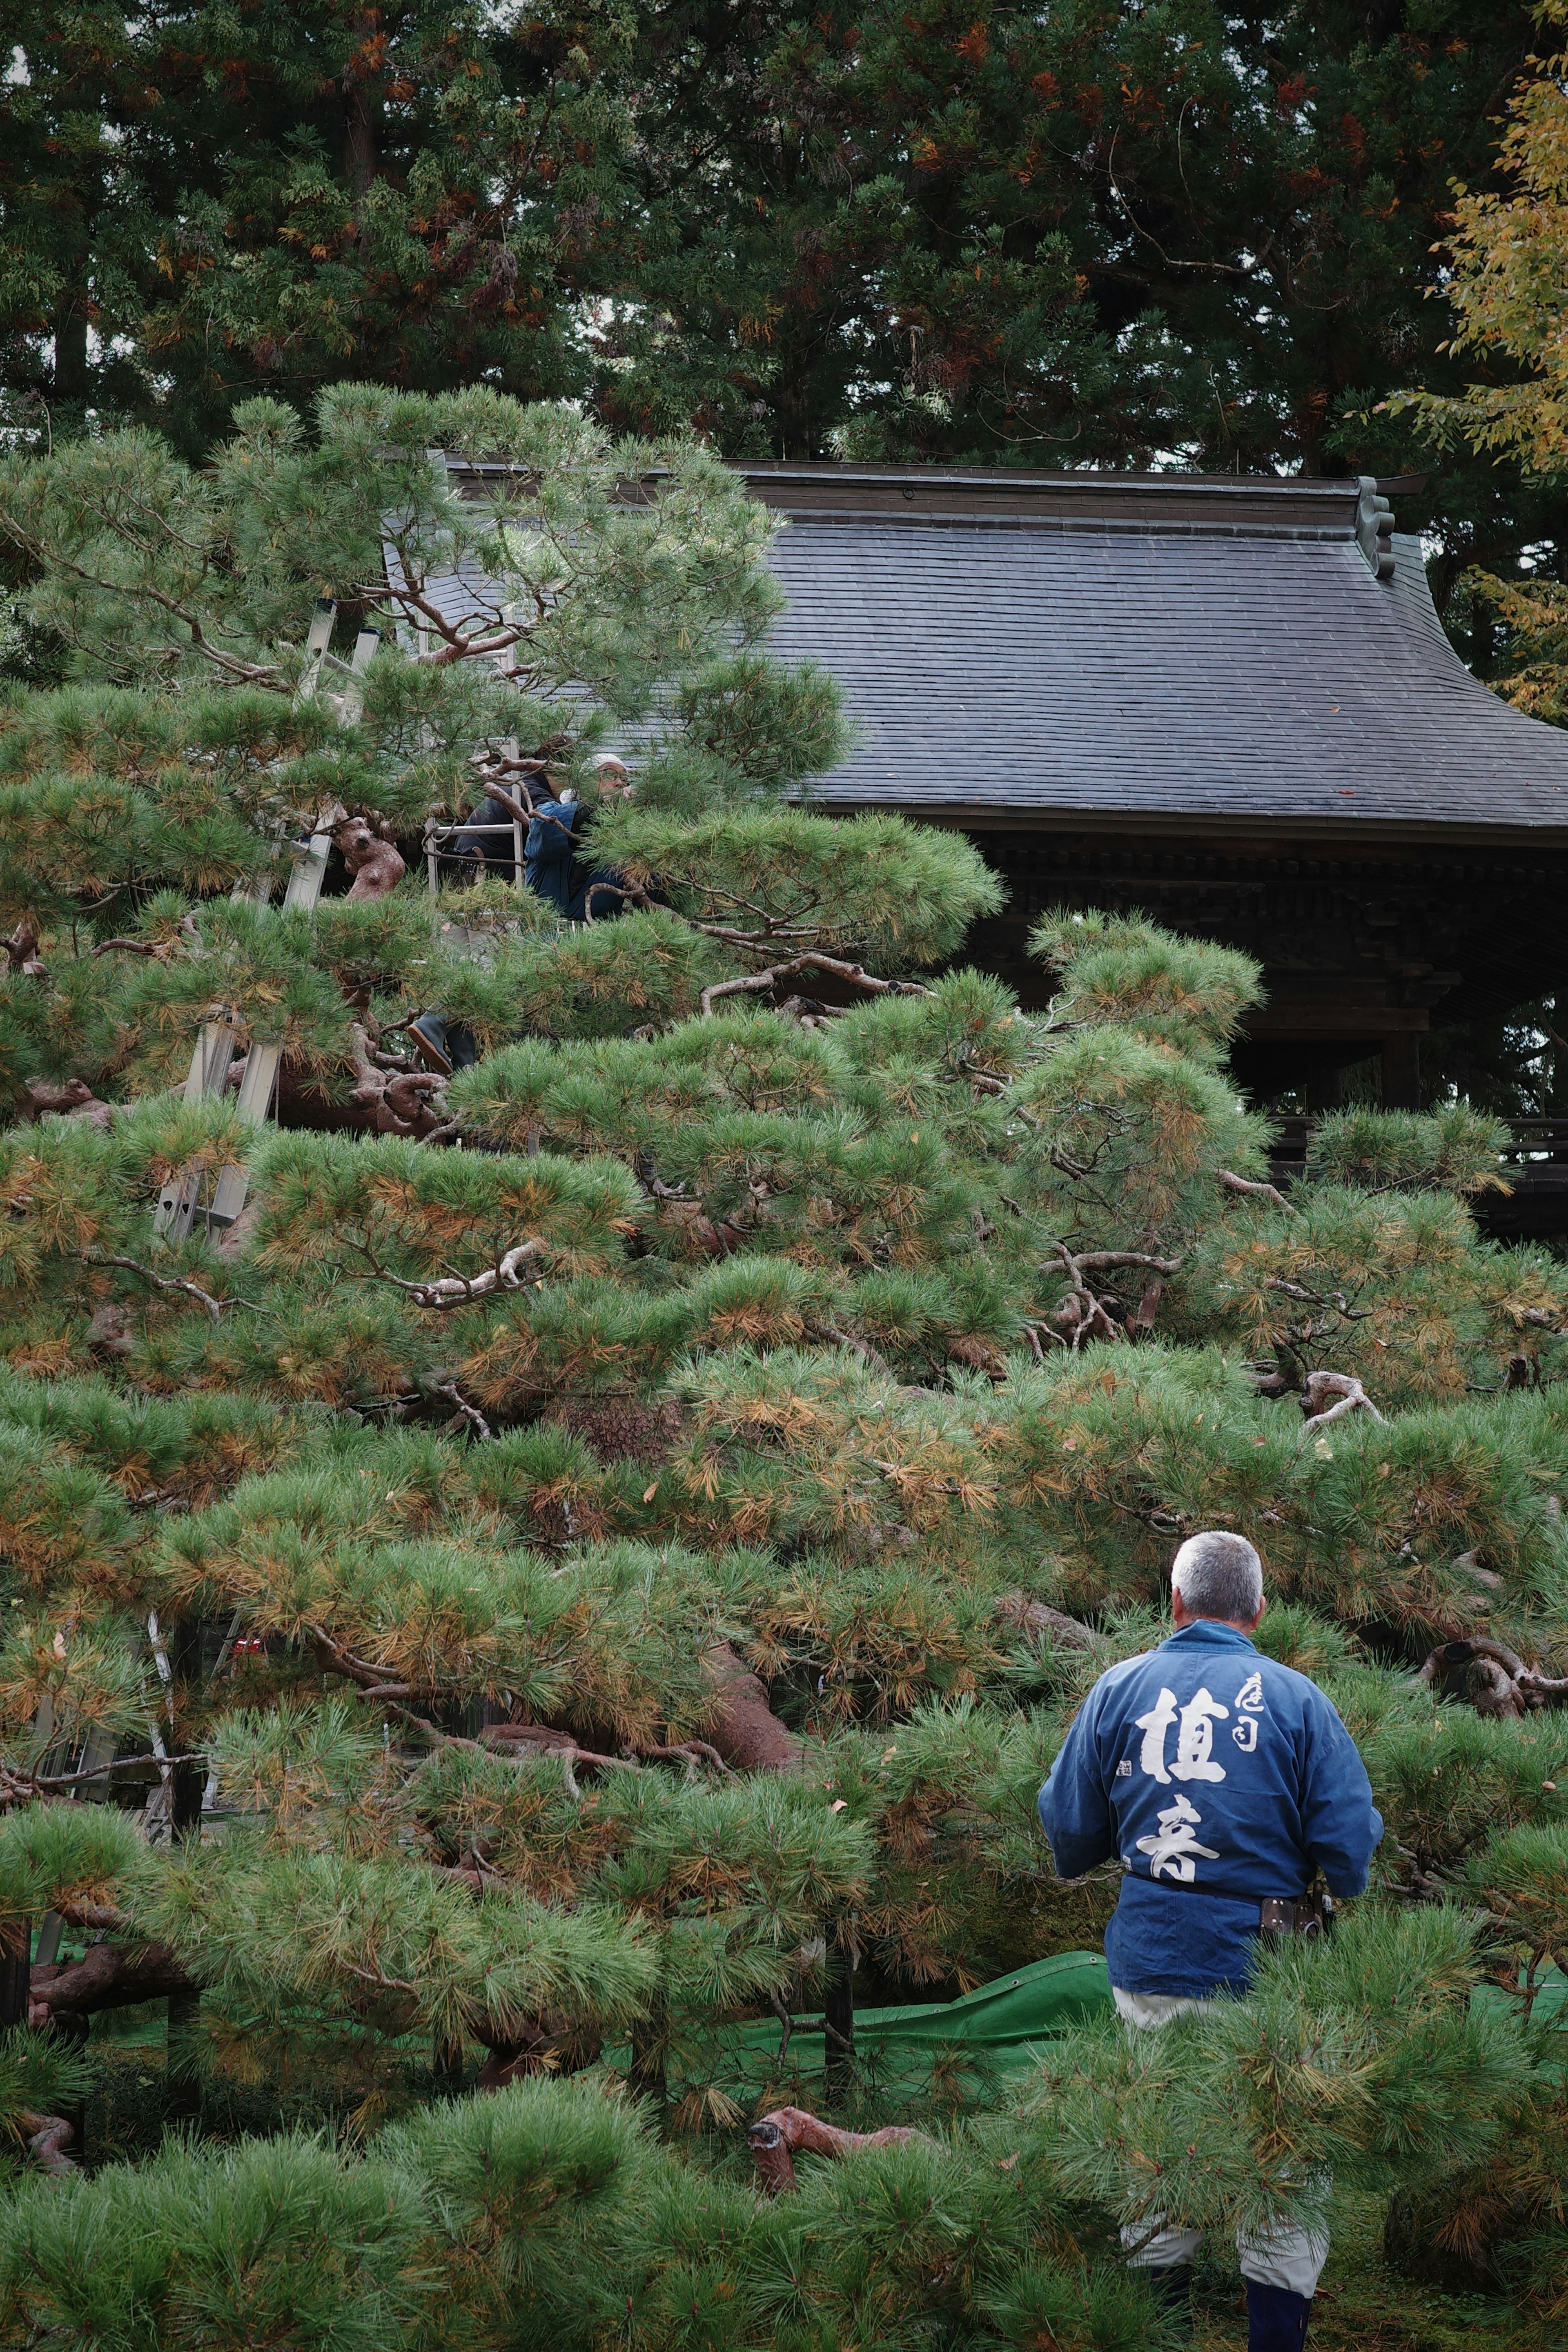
pixel 277 197
pixel 598 1558
pixel 1109 236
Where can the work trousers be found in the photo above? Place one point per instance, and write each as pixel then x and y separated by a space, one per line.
pixel 1283 2257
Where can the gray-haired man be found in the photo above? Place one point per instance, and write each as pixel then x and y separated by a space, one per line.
pixel 1214 1774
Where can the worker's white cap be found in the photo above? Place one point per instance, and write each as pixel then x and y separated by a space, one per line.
pixel 607 760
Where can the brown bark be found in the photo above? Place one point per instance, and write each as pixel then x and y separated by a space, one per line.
pixel 75 1099
pixel 1507 1687
pixel 304 1101
pixel 109 1976
pixel 550 2045
pixel 384 1101
pixel 21 950
pixel 759 982
pixel 1142 1321
pixel 371 858
pixel 748 1734
pixel 49 2136
pixel 1318 1387
pixel 1021 1616
pixel 1247 1184
pixel 774 2139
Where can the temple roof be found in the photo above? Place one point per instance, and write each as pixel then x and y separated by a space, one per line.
pixel 1159 651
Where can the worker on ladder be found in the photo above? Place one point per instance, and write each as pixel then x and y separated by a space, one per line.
pixel 555 869
pixel 554 859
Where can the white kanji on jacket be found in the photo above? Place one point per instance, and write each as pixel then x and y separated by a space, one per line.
pixel 1194 1741
pixel 1173 1848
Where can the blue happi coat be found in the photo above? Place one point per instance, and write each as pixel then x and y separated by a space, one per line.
pixel 1220 1780
pixel 554 865
pixel 554 836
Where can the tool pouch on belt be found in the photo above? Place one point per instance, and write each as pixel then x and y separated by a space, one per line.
pixel 1312 1914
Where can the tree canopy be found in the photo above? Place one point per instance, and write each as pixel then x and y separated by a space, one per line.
pixel 1113 236
pixel 1506 254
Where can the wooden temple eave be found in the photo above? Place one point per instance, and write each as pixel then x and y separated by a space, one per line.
pixel 1261 836
pixel 1367 943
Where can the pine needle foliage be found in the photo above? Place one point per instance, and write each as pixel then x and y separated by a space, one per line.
pixel 588 1575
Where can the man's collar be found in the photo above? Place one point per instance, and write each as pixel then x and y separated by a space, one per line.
pixel 1207 1632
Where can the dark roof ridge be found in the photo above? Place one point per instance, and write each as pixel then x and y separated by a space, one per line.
pixel 1235 506
pixel 1073 476
pixel 1268 506
pixel 1092 525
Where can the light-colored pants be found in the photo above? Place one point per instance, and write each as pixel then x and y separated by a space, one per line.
pixel 1282 2257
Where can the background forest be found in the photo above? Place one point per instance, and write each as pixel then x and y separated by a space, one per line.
pixel 1088 235
pixel 536 1597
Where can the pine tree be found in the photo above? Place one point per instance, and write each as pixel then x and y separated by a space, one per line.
pixel 583 1574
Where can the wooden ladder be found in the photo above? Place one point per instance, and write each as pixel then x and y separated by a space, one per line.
pixel 180 1204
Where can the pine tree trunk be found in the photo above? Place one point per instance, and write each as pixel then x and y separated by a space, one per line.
pixel 70 350
pixel 838 2018
pixel 73 309
pixel 362 122
pixel 182 2081
pixel 748 1735
pixel 16 1973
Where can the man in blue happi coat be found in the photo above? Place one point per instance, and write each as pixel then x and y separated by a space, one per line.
pixel 1226 1784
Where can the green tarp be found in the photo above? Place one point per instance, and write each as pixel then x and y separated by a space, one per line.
pixel 1549 2009
pixel 991 2030
pixel 998 2028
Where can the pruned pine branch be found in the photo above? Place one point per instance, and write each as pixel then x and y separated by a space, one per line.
pixel 466 1412
pixel 777 2138
pixel 49 2136
pixel 1019 1614
pixel 1083 1314
pixel 757 983
pixel 445 1291
pixel 837 1337
pixel 1345 1388
pixel 1233 1183
pixel 213 1307
pixel 1507 1687
pixel 180 611
pixel 426 616
pixel 400 1102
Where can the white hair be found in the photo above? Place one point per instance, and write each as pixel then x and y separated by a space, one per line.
pixel 1219 1575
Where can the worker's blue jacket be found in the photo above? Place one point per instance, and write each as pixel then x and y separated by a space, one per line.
pixel 554 840
pixel 1221 1779
pixel 554 865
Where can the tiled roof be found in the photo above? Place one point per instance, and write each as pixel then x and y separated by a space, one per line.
pixel 1159 652
pixel 1161 647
